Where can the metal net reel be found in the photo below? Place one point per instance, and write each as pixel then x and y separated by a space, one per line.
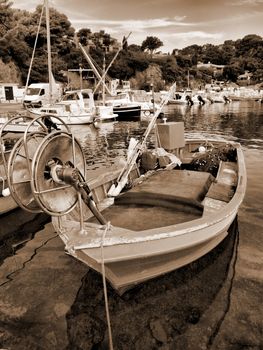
pixel 19 171
pixel 53 167
pixel 46 170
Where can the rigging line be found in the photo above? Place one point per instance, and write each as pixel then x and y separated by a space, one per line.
pixel 105 286
pixel 34 49
pixel 128 166
pixel 110 64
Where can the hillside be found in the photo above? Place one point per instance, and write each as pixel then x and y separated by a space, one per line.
pixel 138 63
pixel 9 72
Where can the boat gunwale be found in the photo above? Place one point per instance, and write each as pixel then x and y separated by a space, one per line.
pixel 186 228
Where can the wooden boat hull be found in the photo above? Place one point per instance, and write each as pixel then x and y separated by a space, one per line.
pixel 131 256
pixel 67 118
pixel 127 273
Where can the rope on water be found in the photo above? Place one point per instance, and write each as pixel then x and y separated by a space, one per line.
pixel 107 228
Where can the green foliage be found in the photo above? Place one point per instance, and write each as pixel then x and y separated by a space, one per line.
pixel 134 48
pixel 6 17
pixel 84 36
pixel 128 63
pixel 151 43
pixel 170 69
pixel 237 57
pixel 18 42
pixel 232 72
pixel 18 33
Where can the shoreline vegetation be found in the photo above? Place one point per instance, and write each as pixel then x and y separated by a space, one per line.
pixel 144 65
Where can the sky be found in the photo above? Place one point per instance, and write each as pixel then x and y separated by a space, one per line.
pixel 177 23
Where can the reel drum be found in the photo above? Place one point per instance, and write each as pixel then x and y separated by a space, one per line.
pixel 58 149
pixel 19 171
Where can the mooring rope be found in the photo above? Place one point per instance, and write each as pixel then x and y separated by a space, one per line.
pixel 107 228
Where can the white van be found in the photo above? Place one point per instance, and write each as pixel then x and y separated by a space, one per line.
pixel 37 94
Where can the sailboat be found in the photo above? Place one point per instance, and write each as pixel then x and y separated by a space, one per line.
pixel 76 107
pixel 120 101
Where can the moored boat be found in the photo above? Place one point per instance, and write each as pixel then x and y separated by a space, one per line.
pixel 170 219
pixel 123 106
pixel 76 107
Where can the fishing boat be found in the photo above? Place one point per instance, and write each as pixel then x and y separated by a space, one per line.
pixel 165 208
pixel 167 219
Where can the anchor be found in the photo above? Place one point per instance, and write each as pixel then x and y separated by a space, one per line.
pixel 46 171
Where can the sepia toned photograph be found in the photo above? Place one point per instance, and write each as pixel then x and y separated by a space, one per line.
pixel 131 156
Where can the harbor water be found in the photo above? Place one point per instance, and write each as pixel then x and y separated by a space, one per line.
pixel 212 304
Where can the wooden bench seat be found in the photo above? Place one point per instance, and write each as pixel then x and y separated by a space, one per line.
pixel 223 189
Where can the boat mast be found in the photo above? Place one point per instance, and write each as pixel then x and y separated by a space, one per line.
pixel 106 71
pixel 104 83
pixel 48 52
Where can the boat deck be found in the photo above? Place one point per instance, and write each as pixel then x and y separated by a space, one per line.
pixel 151 204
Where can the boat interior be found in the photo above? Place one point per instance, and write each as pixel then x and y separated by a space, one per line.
pixel 203 183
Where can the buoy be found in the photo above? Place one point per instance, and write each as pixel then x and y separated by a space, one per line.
pixel 6 192
pixel 201 149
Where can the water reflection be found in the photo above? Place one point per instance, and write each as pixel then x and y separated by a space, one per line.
pixel 238 121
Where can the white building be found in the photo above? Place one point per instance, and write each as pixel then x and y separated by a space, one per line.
pixel 11 92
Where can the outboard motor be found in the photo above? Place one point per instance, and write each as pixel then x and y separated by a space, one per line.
pixel 201 100
pixel 226 99
pixel 189 100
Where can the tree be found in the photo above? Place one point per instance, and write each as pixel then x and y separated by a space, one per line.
pixel 61 36
pixel 249 45
pixel 84 35
pixel 151 43
pixel 232 72
pixel 134 48
pixel 170 69
pixel 184 61
pixel 6 15
pixel 192 50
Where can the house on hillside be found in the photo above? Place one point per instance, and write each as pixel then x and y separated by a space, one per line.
pixel 245 77
pixel 216 68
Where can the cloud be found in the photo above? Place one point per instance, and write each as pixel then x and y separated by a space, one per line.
pixel 246 3
pixel 29 5
pixel 197 35
pixel 135 25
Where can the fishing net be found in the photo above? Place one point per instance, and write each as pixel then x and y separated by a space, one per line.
pixel 209 161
